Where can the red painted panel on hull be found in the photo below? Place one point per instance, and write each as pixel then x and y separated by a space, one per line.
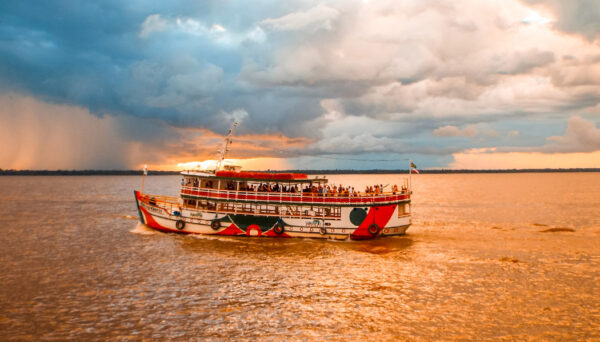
pixel 271 233
pixel 231 230
pixel 150 221
pixel 378 215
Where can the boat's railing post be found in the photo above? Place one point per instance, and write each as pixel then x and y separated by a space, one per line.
pixel 218 195
pixel 237 190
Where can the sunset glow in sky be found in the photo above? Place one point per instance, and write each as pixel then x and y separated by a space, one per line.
pixel 315 85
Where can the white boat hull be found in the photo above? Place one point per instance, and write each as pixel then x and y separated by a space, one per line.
pixel 355 223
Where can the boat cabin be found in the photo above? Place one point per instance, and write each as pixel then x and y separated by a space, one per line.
pixel 251 181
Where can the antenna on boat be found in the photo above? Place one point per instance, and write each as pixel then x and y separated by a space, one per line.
pixel 144 174
pixel 226 144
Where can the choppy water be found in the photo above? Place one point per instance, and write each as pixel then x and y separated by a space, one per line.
pixel 475 265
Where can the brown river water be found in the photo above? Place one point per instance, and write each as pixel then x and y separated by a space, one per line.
pixel 488 257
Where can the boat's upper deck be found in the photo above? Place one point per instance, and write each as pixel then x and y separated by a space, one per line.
pixel 250 177
pixel 282 188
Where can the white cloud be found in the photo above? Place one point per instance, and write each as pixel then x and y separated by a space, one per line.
pixel 390 59
pixel 157 23
pixel 238 115
pixel 535 17
pixel 257 34
pixel 318 17
pixel 192 26
pixel 153 23
pixel 581 17
pixel 217 28
pixel 581 136
pixel 216 32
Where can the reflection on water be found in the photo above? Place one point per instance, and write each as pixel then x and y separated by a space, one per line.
pixel 488 257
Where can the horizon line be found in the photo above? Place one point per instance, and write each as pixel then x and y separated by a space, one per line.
pixel 25 172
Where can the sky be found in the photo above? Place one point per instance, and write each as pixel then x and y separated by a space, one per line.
pixel 456 84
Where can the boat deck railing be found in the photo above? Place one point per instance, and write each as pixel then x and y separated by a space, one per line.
pixel 294 198
pixel 166 203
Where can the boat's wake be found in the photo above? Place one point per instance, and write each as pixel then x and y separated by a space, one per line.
pixel 142 229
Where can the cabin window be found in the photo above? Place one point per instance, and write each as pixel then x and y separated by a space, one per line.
pixel 205 183
pixel 403 209
pixel 225 206
pixel 244 208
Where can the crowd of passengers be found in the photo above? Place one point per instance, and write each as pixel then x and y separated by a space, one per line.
pixel 318 190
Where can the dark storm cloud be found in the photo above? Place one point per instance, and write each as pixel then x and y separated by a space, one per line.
pixel 92 55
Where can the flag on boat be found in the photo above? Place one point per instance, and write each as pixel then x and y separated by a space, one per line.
pixel 145 169
pixel 414 167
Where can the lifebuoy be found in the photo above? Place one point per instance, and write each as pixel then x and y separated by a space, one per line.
pixel 180 224
pixel 215 224
pixel 323 231
pixel 278 229
pixel 373 229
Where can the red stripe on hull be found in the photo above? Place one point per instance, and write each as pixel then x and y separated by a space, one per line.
pixel 378 215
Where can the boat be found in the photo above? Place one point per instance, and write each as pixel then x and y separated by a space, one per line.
pixel 228 201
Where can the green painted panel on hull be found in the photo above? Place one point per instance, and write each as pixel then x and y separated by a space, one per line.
pixel 244 221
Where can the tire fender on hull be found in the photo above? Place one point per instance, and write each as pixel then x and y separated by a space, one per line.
pixel 373 229
pixel 278 229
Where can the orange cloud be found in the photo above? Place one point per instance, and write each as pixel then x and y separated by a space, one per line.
pixel 488 159
pixel 202 144
pixel 246 164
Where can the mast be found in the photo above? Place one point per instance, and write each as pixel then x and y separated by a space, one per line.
pixel 144 174
pixel 225 147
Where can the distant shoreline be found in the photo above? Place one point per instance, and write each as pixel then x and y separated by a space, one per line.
pixel 310 172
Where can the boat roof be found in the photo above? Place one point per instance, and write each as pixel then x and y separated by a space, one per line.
pixel 257 176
